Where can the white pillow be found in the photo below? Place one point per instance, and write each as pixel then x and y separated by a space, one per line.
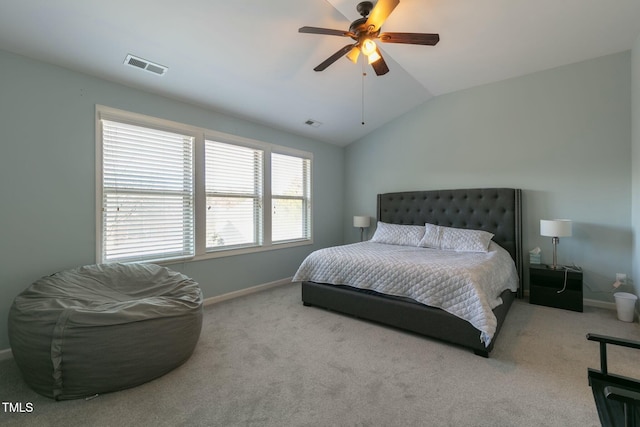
pixel 398 234
pixel 457 239
pixel 432 236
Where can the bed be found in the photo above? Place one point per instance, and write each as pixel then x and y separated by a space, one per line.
pixel 492 210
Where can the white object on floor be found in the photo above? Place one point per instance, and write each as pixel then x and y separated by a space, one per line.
pixel 625 304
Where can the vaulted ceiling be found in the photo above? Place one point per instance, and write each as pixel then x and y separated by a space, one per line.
pixel 246 57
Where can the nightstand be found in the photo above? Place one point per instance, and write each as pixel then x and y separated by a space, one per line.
pixel 544 284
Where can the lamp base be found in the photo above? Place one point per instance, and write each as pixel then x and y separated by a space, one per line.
pixel 555 265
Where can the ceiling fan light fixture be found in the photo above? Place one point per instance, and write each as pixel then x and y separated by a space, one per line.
pixel 364 31
pixel 353 55
pixel 369 47
pixel 373 57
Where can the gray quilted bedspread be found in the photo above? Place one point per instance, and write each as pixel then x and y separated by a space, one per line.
pixel 465 284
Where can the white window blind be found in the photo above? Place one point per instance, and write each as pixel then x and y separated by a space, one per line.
pixel 147 195
pixel 291 198
pixel 234 192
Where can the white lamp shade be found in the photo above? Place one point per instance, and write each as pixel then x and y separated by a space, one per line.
pixel 555 227
pixel 361 221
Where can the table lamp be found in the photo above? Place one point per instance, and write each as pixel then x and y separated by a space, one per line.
pixel 362 222
pixel 555 228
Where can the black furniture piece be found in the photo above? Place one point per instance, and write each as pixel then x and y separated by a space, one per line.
pixel 496 210
pixel 617 397
pixel 561 288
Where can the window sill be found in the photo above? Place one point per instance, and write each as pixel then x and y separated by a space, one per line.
pixel 221 253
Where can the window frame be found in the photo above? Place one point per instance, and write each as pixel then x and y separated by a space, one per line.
pixel 305 198
pixel 257 196
pixel 201 135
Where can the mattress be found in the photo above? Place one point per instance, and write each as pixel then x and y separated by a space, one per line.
pixel 466 284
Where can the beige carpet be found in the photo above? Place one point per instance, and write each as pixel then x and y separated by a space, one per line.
pixel 266 360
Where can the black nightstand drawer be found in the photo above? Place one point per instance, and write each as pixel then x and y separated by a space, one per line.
pixel 545 284
pixel 569 300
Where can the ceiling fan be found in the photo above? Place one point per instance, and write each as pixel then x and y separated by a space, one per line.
pixel 364 30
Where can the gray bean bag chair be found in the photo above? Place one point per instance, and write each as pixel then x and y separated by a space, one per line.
pixel 102 328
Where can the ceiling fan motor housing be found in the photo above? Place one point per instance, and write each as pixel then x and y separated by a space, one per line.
pixel 364 8
pixel 359 28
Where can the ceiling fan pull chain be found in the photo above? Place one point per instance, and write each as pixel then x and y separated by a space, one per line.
pixel 364 73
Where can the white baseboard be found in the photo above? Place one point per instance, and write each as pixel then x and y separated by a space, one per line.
pixel 5 354
pixel 599 304
pixel 607 305
pixel 247 291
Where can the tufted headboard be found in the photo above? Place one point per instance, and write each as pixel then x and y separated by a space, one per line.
pixel 496 210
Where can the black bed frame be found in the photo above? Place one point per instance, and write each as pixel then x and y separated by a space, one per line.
pixel 496 210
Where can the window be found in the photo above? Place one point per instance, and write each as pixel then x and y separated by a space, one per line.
pixel 147 194
pixel 167 191
pixel 234 195
pixel 290 200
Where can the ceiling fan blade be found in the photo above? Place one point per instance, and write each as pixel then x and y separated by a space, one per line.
pixel 380 13
pixel 354 54
pixel 410 38
pixel 380 67
pixel 324 31
pixel 333 58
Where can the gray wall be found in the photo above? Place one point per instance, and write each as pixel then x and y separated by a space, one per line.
pixel 635 185
pixel 47 179
pixel 562 135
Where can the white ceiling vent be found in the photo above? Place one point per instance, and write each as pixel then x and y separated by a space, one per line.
pixel 314 123
pixel 143 64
